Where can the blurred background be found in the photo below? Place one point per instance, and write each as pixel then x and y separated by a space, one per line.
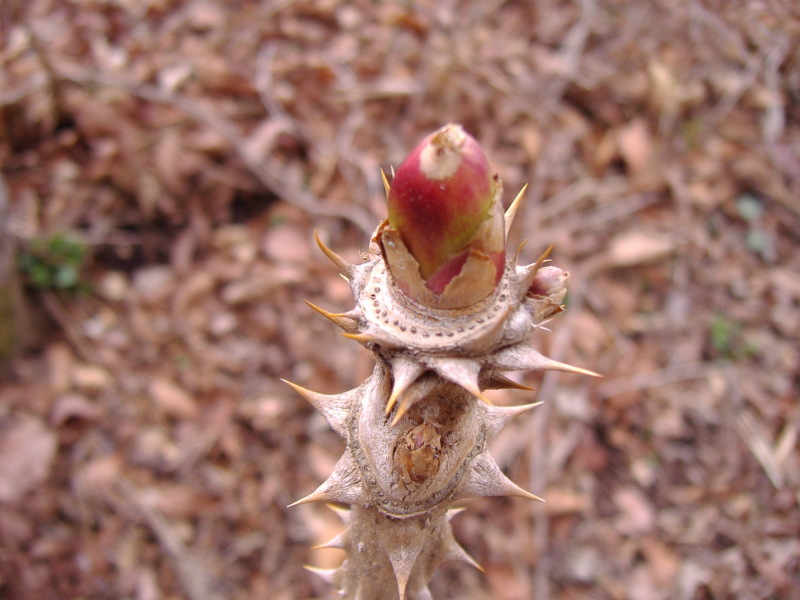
pixel 164 165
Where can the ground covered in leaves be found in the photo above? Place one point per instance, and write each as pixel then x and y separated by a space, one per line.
pixel 164 165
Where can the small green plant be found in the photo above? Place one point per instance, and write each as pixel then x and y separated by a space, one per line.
pixel 54 263
pixel 729 340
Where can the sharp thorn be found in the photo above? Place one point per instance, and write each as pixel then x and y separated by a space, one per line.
pixel 390 404
pixel 476 391
pixel 327 575
pixel 512 210
pixel 462 372
pixel 337 542
pixel 559 366
pixel 403 558
pixel 374 336
pixel 452 512
pixel 486 479
pixel 345 267
pixel 343 486
pixel 334 407
pixel 386 185
pixel 304 500
pixel 455 551
pixel 519 251
pixel 361 338
pixel 527 274
pixel 417 391
pixel 523 357
pixel 405 404
pixel 532 269
pixel 543 257
pixel 498 417
pixel 401 410
pixel 405 373
pixel 341 512
pixel 343 320
pixel 501 382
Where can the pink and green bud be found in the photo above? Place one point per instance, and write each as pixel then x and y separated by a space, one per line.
pixel 549 282
pixel 445 213
pixel 547 290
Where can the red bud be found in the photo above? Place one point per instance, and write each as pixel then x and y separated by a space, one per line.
pixel 444 204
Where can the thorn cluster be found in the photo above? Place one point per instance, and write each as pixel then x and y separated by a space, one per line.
pixel 417 429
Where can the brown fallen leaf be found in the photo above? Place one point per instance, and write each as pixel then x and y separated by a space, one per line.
pixel 172 399
pixel 636 512
pixel 635 146
pixel 74 406
pixel 97 477
pixel 287 244
pixel 90 377
pixel 662 561
pixel 27 450
pixel 177 500
pixel 637 247
pixel 562 501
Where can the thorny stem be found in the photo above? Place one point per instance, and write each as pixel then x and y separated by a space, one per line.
pixel 417 430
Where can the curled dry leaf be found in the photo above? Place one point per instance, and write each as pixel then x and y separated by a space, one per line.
pixel 638 247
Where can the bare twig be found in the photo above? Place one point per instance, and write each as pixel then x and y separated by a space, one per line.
pixel 668 375
pixel 194 576
pixel 66 322
pixel 622 207
pixel 264 82
pixel 755 437
pixel 564 201
pixel 570 54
